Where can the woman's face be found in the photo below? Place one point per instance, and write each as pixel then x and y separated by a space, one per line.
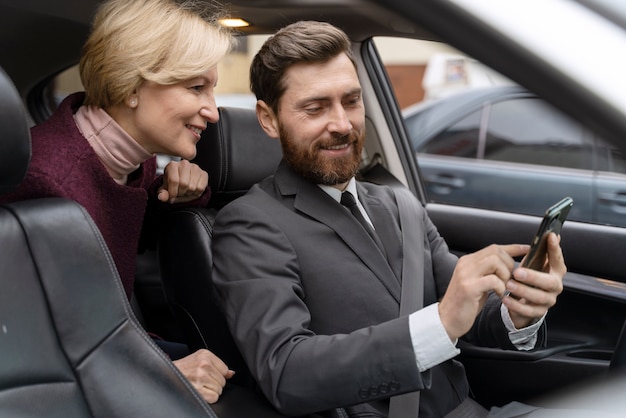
pixel 168 119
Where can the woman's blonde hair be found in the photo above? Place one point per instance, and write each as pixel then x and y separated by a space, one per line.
pixel 164 41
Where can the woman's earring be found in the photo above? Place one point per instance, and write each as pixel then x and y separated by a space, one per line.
pixel 133 102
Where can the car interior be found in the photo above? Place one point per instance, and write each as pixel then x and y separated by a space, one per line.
pixel 79 348
pixel 228 152
pixel 70 338
pixel 70 343
pixel 185 261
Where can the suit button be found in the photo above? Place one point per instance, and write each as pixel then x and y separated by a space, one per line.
pixel 394 386
pixel 383 388
pixel 373 391
pixel 364 393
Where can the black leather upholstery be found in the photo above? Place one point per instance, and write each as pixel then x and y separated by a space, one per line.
pixel 69 343
pixel 236 153
pixel 14 139
pixel 618 360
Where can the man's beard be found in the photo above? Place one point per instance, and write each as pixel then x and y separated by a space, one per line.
pixel 309 163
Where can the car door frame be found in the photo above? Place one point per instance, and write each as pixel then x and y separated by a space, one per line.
pixel 579 347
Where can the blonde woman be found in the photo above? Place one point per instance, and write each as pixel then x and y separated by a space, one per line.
pixel 149 68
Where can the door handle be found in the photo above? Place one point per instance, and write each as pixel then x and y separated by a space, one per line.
pixel 617 200
pixel 444 183
pixel 446 180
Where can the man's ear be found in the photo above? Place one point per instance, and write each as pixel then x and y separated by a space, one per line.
pixel 267 119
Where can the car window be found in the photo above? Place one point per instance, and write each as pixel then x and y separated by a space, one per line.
pixel 617 160
pixel 527 131
pixel 460 140
pixel 530 131
pixel 482 141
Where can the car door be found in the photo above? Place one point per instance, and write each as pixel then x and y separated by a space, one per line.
pixel 584 326
pixel 517 144
pixel 610 184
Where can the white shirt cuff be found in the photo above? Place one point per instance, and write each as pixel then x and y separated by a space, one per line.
pixel 523 339
pixel 431 342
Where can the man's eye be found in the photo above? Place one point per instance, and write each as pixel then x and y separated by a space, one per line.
pixel 197 88
pixel 354 101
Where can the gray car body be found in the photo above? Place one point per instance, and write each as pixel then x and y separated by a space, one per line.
pixel 474 181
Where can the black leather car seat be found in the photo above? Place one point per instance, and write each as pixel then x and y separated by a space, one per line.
pixel 69 343
pixel 236 153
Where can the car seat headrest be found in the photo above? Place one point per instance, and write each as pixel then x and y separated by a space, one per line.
pixel 15 147
pixel 236 153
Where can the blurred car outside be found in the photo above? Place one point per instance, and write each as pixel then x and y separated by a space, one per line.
pixel 487 147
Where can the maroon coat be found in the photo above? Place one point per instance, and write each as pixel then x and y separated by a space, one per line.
pixel 63 164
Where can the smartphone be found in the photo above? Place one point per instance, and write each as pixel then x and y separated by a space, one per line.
pixel 552 222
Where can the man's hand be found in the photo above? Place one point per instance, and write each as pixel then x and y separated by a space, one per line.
pixel 182 182
pixel 206 372
pixel 473 278
pixel 534 292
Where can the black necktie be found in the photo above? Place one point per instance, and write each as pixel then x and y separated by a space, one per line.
pixel 348 200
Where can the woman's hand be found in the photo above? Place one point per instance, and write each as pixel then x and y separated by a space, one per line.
pixel 182 182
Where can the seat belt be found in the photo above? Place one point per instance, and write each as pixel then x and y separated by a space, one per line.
pixel 412 296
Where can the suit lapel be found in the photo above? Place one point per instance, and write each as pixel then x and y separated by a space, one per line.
pixel 314 202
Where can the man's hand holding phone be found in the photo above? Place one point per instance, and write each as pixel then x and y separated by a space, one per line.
pixel 533 292
pixel 539 279
pixel 552 222
pixel 528 293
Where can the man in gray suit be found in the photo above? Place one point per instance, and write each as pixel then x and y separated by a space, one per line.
pixel 311 299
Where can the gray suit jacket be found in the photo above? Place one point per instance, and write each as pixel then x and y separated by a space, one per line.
pixel 313 304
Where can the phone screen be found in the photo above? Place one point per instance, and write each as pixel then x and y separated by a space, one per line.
pixel 552 222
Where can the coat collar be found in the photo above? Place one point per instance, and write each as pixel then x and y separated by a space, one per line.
pixel 314 202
